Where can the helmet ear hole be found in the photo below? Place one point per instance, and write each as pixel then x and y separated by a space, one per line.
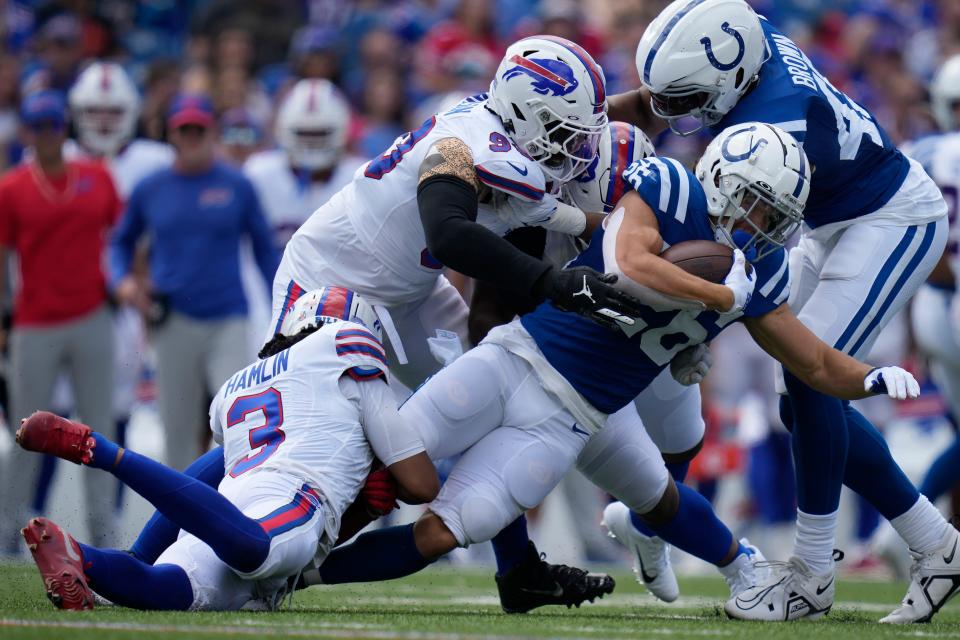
pixel 739 79
pixel 517 111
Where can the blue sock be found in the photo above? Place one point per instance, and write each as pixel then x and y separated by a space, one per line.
pixel 378 555
pixel 160 532
pixel 236 539
pixel 510 545
pixel 104 453
pixel 128 582
pixel 820 443
pixel 696 529
pixel 871 470
pixel 943 474
pixel 678 471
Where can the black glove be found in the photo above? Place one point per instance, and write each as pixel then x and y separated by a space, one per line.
pixel 589 293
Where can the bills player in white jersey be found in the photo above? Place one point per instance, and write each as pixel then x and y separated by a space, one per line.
pixel 875 225
pixel 294 180
pixel 445 193
pixel 300 429
pixel 935 311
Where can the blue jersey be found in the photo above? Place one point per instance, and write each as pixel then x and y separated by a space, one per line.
pixel 610 368
pixel 856 169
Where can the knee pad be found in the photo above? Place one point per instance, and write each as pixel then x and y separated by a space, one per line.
pixel 481 519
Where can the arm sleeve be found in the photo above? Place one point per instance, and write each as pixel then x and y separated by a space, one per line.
pixel 123 244
pixel 391 437
pixel 261 237
pixel 448 211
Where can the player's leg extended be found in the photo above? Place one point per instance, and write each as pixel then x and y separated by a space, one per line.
pixel 238 540
pixel 671 415
pixel 160 532
pixel 623 461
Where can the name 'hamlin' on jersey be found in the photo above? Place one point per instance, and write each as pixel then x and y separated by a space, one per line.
pixel 610 369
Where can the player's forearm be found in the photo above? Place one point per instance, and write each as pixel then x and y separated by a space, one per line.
pixel 837 375
pixel 634 107
pixel 654 272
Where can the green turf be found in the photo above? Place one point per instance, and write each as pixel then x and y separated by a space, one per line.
pixel 445 603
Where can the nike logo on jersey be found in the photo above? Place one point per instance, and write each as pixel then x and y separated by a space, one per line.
pixel 577 429
pixel 522 170
pixel 585 291
pixel 820 590
pixel 953 551
pixel 647 578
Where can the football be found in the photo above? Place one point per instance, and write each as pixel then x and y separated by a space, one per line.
pixel 703 258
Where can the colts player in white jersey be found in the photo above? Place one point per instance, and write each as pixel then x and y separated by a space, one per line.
pixel 300 429
pixel 294 180
pixel 445 194
pixel 875 227
pixel 525 402
pixel 935 311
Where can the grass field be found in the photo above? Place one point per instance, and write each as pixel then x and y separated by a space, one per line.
pixel 451 604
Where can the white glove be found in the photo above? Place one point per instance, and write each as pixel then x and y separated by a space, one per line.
pixel 691 365
pixel 897 383
pixel 740 282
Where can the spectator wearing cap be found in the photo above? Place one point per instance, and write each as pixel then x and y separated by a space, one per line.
pixel 196 215
pixel 240 136
pixel 54 216
pixel 61 52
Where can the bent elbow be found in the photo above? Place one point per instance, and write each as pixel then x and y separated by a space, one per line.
pixel 423 490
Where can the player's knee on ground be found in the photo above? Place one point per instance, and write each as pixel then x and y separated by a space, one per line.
pixel 666 508
pixel 683 456
pixel 432 537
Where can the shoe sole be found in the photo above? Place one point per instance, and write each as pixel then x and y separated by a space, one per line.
pixel 63 579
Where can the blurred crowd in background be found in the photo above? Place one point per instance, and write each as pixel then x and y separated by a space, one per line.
pixel 398 62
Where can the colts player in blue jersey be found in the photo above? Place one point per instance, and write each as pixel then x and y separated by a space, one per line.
pixel 525 402
pixel 876 225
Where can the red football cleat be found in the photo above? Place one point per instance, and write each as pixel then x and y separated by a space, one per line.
pixel 60 563
pixel 45 432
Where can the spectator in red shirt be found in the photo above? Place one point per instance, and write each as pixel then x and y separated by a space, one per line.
pixel 55 215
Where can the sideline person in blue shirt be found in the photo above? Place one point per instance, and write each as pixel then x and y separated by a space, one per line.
pixel 195 214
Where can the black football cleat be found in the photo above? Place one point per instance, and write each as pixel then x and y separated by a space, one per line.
pixel 535 583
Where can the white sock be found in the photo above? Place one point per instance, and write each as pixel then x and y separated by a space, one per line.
pixel 814 540
pixel 729 570
pixel 922 527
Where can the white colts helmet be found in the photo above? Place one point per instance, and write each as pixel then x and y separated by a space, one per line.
pixel 746 167
pixel 551 97
pixel 599 188
pixel 105 105
pixel 945 94
pixel 330 304
pixel 698 57
pixel 312 125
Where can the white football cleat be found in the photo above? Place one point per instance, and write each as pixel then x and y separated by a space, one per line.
pixel 747 570
pixel 791 592
pixel 934 579
pixel 651 556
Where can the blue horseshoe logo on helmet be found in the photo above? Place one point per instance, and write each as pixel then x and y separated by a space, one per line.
pixel 736 157
pixel 708 46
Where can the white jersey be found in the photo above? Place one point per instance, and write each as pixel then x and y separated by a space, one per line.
pixel 135 161
pixel 288 201
pixel 940 157
pixel 370 234
pixel 306 412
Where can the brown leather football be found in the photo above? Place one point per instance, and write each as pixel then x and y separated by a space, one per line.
pixel 703 258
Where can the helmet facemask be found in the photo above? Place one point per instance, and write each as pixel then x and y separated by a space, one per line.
pixel 104 129
pixel 751 208
pixel 314 149
pixel 564 149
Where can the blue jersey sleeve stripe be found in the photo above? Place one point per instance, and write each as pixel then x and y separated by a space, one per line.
pixel 505 184
pixel 780 293
pixel 774 280
pixel 683 189
pixel 663 172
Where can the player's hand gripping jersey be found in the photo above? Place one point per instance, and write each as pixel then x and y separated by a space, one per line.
pixel 301 412
pixel 856 169
pixel 609 369
pixel 379 207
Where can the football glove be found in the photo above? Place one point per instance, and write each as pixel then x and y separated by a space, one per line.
pixel 741 281
pixel 591 294
pixel 897 383
pixel 379 493
pixel 691 365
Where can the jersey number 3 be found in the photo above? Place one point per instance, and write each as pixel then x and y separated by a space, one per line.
pixel 267 436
